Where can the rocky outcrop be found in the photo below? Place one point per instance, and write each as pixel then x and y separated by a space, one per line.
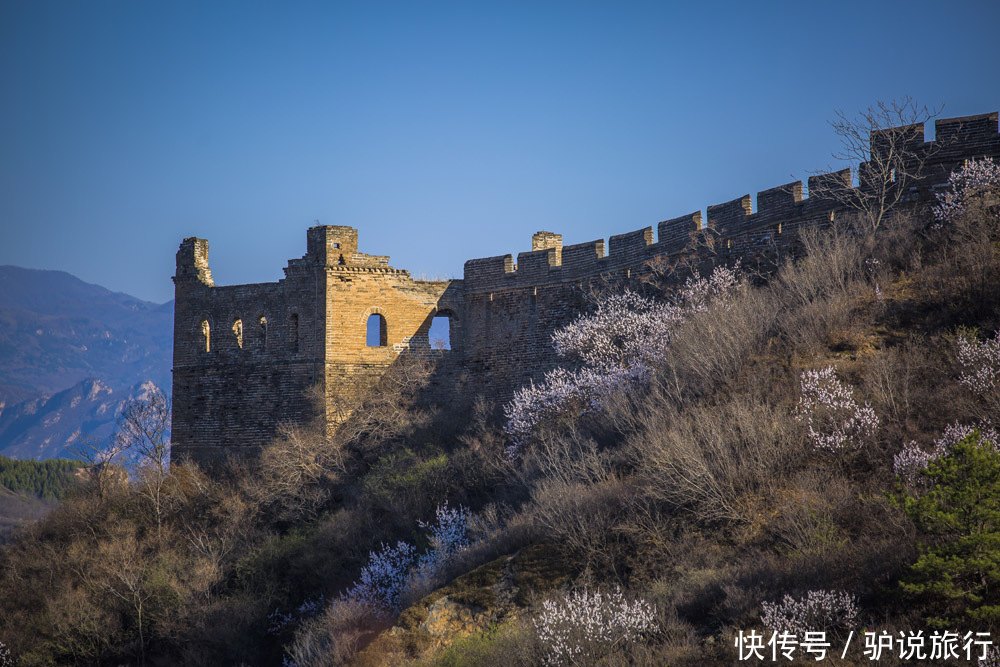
pixel 489 596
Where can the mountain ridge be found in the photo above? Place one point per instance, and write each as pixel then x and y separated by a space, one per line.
pixel 61 339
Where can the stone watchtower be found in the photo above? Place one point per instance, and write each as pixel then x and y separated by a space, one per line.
pixel 246 357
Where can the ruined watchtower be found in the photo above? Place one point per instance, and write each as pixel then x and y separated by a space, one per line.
pixel 246 356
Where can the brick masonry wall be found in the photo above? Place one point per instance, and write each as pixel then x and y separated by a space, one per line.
pixel 232 399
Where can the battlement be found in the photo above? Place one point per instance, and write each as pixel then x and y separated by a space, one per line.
pixel 245 355
pixel 966 133
pixel 676 233
pixel 735 224
pixel 730 216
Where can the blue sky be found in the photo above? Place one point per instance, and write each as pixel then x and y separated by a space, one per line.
pixel 442 131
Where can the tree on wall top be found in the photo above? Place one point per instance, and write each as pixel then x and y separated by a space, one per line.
pixel 884 145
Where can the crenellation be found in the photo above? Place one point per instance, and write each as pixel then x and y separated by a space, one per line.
pixel 488 270
pixel 780 201
pixel 245 356
pixel 631 247
pixel 730 216
pixel 908 138
pixel 965 133
pixel 821 185
pixel 674 234
pixel 582 258
pixel 534 266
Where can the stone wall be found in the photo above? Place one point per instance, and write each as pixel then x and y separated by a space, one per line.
pixel 269 345
pixel 232 397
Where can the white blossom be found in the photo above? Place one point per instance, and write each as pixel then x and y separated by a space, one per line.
pixel 392 570
pixel 974 179
pixel 448 537
pixel 817 611
pixel 834 419
pixel 616 349
pixel 980 363
pixel 384 577
pixel 585 624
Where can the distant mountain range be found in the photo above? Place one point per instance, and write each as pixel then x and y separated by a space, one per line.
pixel 70 353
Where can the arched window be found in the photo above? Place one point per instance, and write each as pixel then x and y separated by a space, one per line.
pixel 238 332
pixel 293 331
pixel 263 332
pixel 440 332
pixel 377 336
pixel 206 332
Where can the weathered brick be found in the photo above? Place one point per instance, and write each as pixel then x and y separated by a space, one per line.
pixel 232 398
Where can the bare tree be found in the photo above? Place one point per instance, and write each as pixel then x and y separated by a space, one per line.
pixel 370 408
pixel 884 146
pixel 142 438
pixel 296 472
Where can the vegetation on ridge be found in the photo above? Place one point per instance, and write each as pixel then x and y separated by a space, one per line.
pixel 811 450
pixel 46 479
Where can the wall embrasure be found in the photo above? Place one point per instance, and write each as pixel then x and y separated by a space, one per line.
pixel 247 356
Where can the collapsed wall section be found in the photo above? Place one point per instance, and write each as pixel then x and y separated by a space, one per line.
pixel 364 297
pixel 244 357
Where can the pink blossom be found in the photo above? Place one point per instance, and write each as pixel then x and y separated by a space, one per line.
pixel 974 179
pixel 991 658
pixel 913 459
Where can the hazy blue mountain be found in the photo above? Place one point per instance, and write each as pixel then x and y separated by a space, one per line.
pixel 64 340
pixel 59 425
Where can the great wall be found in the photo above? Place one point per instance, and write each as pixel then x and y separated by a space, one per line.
pixel 247 356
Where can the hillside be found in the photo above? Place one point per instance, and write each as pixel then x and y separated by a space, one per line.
pixel 62 343
pixel 722 456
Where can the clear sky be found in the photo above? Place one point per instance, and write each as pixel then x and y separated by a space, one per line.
pixel 442 131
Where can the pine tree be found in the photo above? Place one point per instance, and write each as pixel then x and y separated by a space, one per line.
pixel 958 571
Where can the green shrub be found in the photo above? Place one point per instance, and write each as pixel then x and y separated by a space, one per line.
pixel 958 571
pixel 405 484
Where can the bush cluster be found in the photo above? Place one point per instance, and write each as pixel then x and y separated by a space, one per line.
pixel 729 446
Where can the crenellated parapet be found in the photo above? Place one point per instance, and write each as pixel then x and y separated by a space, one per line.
pixel 738 226
pixel 245 356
